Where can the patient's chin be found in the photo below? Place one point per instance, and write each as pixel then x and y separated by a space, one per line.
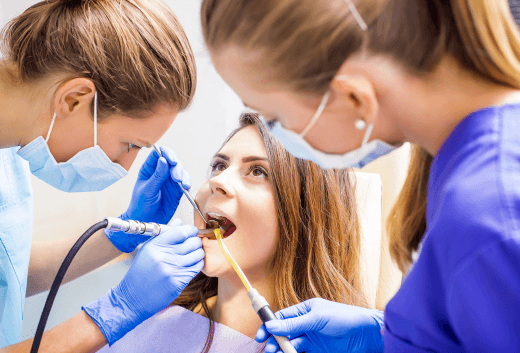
pixel 212 270
pixel 215 262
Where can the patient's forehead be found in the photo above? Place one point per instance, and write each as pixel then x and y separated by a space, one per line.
pixel 246 142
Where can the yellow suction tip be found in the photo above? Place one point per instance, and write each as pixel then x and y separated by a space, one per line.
pixel 231 260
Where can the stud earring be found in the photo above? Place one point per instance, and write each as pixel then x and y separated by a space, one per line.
pixel 360 124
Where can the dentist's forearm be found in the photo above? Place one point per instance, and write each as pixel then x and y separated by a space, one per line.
pixel 79 334
pixel 47 256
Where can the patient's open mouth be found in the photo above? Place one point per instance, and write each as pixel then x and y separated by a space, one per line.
pixel 225 224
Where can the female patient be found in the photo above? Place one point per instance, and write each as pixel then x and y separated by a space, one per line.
pixel 288 220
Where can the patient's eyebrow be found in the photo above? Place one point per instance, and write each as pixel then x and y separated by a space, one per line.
pixel 247 159
pixel 253 159
pixel 221 156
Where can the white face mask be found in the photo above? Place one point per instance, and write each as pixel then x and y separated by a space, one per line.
pixel 88 170
pixel 298 147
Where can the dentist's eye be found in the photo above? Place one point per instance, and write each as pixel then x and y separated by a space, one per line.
pixel 132 146
pixel 269 121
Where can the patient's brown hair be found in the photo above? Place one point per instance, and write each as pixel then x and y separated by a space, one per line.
pixel 319 244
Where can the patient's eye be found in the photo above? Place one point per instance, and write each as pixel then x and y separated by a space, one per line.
pixel 217 166
pixel 258 171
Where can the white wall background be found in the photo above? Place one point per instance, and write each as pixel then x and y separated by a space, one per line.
pixel 195 136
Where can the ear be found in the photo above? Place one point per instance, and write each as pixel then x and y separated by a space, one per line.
pixel 74 97
pixel 360 93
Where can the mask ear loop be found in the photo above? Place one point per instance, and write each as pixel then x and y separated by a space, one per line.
pixel 95 119
pixel 323 103
pixel 367 134
pixel 50 128
pixel 357 15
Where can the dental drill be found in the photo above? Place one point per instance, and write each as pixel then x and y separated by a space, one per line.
pixel 152 230
pixel 110 223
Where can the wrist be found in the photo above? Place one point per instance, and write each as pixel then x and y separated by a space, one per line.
pixel 112 314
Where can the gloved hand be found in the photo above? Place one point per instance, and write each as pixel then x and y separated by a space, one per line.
pixel 319 325
pixel 155 197
pixel 162 268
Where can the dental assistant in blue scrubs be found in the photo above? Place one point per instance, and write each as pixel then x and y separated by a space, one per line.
pixel 76 106
pixel 343 82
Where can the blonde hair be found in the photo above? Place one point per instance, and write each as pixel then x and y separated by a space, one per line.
pixel 319 244
pixel 134 51
pixel 305 42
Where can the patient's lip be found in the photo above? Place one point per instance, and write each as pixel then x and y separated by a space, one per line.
pixel 218 211
pixel 216 214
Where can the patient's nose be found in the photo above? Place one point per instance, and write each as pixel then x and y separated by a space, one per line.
pixel 222 183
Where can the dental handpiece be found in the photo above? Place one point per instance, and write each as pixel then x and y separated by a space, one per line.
pixel 188 196
pixel 144 228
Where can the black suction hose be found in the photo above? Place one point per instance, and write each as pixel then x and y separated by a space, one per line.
pixel 57 282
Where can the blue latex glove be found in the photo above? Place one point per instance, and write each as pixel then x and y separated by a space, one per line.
pixel 162 268
pixel 155 197
pixel 319 325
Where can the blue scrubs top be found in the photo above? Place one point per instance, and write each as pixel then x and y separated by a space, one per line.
pixel 16 218
pixel 463 293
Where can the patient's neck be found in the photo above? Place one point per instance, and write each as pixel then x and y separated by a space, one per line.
pixel 233 307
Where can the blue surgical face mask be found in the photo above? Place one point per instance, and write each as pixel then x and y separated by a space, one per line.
pixel 88 170
pixel 298 147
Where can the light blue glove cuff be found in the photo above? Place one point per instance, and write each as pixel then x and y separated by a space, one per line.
pixel 125 242
pixel 113 315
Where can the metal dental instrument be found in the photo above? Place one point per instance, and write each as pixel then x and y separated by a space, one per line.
pixel 212 224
